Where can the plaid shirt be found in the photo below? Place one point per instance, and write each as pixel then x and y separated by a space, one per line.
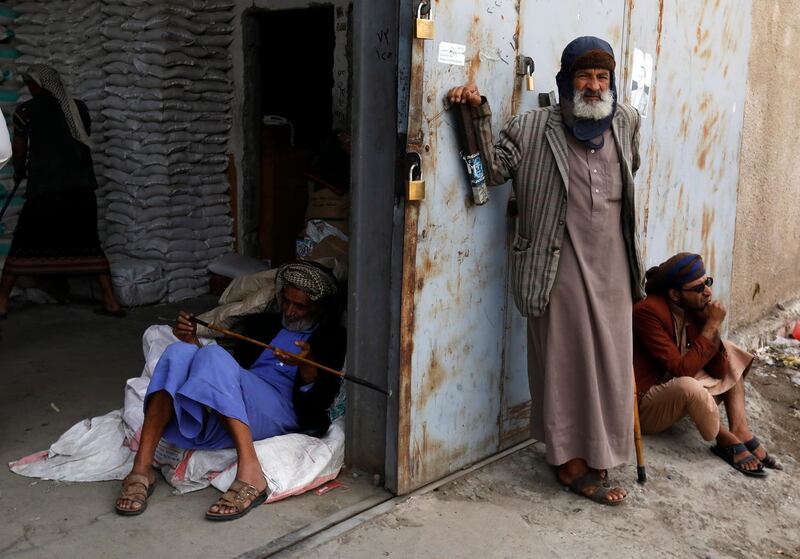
pixel 532 151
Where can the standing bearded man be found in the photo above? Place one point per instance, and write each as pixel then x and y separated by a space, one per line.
pixel 575 261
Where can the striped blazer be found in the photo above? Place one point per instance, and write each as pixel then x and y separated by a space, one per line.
pixel 532 151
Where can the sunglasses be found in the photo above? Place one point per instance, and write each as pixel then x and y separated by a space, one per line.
pixel 700 287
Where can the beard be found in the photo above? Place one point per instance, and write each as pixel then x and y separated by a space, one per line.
pixel 305 324
pixel 593 111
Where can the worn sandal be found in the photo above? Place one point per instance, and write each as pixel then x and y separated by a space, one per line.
pixel 768 461
pixel 135 488
pixel 237 494
pixel 593 478
pixel 728 452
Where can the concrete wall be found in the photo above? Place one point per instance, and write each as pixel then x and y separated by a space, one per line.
pixel 766 257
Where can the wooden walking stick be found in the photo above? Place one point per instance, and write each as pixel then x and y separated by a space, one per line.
pixel 641 473
pixel 319 366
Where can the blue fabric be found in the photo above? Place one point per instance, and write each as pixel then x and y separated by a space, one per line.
pixel 205 380
pixel 695 271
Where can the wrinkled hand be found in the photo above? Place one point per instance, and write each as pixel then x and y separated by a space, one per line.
pixel 308 373
pixel 184 329
pixel 465 94
pixel 714 312
pixel 289 359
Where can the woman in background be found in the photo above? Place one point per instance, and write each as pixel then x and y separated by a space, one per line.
pixel 57 228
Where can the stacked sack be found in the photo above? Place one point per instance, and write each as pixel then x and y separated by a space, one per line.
pixel 155 77
pixel 167 119
pixel 63 34
pixel 9 95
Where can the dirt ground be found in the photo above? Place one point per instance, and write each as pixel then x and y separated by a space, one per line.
pixel 693 504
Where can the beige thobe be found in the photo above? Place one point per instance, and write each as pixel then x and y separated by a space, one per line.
pixel 580 351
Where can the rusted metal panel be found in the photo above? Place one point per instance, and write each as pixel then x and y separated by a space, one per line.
pixel 450 404
pixel 464 391
pixel 691 137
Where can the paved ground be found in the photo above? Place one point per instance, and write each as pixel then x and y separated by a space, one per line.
pixel 693 504
pixel 78 362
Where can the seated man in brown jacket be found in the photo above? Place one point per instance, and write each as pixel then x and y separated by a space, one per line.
pixel 682 367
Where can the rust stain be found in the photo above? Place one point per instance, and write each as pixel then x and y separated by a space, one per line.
pixel 407 305
pixel 432 380
pixel 615 33
pixel 660 27
pixel 684 120
pixel 653 154
pixel 627 44
pixel 516 425
pixel 516 90
pixel 474 38
pixel 712 257
pixel 709 134
pixel 415 143
pixel 709 214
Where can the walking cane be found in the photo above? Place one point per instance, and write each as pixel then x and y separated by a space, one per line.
pixel 319 366
pixel 641 473
pixel 8 200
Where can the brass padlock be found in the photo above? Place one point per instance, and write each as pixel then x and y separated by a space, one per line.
pixel 416 188
pixel 425 29
pixel 529 78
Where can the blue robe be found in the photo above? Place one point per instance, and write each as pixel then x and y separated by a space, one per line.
pixel 205 380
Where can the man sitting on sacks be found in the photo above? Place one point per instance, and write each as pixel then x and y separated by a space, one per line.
pixel 203 398
pixel 682 367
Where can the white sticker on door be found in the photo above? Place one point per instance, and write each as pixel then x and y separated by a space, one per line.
pixel 452 53
pixel 641 80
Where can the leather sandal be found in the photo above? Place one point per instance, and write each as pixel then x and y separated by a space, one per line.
pixel 768 461
pixel 136 488
pixel 236 496
pixel 593 478
pixel 728 452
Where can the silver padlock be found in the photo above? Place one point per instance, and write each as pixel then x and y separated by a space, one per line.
pixel 425 29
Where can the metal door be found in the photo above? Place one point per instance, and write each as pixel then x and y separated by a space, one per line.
pixel 463 381
pixel 691 136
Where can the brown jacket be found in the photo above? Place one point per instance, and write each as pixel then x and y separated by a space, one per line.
pixel 656 357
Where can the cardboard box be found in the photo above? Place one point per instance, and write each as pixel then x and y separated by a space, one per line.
pixel 333 208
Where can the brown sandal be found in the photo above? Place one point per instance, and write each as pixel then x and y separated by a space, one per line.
pixel 237 494
pixel 135 488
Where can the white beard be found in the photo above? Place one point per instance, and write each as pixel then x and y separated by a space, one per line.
pixel 299 324
pixel 593 111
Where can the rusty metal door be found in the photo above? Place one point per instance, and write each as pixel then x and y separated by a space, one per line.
pixel 691 135
pixel 463 380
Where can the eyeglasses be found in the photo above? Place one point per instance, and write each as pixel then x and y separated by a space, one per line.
pixel 699 288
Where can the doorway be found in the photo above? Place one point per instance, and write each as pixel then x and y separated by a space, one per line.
pixel 296 193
